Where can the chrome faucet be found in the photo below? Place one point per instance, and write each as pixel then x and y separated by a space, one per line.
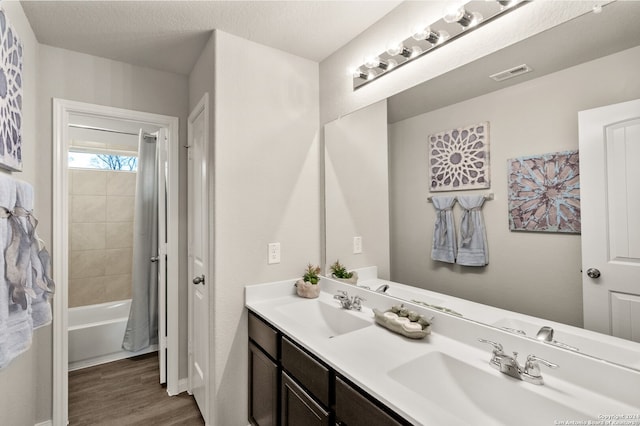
pixel 354 302
pixel 383 288
pixel 510 366
pixel 545 334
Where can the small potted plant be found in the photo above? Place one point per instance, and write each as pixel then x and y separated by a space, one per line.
pixel 340 273
pixel 308 285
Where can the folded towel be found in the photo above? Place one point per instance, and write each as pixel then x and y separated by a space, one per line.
pixel 473 249
pixel 444 234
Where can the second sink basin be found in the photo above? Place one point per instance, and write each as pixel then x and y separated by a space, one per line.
pixel 474 396
pixel 325 319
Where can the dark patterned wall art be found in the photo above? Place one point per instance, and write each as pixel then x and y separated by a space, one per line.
pixel 459 159
pixel 544 193
pixel 10 96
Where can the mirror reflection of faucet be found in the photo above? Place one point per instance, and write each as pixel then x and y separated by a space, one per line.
pixel 510 366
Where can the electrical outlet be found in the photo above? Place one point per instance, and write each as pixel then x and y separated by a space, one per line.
pixel 273 255
pixel 357 245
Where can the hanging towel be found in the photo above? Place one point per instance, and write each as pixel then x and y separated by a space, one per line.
pixel 473 249
pixel 25 271
pixel 444 234
pixel 16 326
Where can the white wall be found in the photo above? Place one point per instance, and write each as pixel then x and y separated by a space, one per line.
pixel 25 385
pixel 337 97
pixel 357 189
pixel 267 176
pixel 534 273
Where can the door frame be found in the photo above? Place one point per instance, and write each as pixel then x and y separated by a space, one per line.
pixel 62 109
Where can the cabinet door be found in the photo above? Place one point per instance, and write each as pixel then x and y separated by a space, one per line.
pixel 263 388
pixel 298 408
pixel 354 409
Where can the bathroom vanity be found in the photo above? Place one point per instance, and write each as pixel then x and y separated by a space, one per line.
pixel 313 362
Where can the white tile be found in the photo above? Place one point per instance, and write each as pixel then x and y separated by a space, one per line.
pixel 87 236
pixel 120 209
pixel 119 261
pixel 121 183
pixel 88 208
pixel 89 182
pixel 119 235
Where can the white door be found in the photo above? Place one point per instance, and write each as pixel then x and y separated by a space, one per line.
pixel 610 208
pixel 163 167
pixel 199 287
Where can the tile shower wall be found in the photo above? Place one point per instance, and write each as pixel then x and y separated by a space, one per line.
pixel 101 204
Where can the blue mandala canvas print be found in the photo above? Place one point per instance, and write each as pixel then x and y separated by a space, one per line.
pixel 10 96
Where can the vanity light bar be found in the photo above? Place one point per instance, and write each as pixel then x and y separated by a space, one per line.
pixel 455 23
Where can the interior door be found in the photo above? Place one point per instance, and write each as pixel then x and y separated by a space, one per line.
pixel 163 167
pixel 199 286
pixel 610 205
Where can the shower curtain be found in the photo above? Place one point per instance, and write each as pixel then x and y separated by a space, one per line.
pixel 142 327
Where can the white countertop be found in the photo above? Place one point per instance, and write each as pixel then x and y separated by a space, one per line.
pixel 370 356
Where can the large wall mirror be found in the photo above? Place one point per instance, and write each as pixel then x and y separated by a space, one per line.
pixel 376 165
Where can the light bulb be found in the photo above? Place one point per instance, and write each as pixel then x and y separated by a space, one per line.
pixel 394 48
pixel 357 73
pixel 371 61
pixel 462 17
pixel 415 51
pixel 420 32
pixel 371 75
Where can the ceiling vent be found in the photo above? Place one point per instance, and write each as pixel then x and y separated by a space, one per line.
pixel 512 72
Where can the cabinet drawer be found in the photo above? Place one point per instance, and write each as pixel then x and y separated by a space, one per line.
pixel 265 336
pixel 298 408
pixel 310 373
pixel 354 409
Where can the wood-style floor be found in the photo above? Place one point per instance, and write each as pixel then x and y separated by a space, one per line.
pixel 127 392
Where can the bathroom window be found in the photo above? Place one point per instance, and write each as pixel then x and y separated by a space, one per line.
pixel 102 156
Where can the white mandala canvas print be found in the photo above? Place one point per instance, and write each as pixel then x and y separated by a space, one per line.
pixel 10 96
pixel 459 159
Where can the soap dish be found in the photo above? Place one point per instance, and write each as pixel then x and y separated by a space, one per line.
pixel 402 321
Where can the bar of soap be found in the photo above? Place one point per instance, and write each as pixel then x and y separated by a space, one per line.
pixel 390 315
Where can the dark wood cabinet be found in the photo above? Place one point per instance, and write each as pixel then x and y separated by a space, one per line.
pixel 289 386
pixel 310 373
pixel 263 388
pixel 353 408
pixel 299 408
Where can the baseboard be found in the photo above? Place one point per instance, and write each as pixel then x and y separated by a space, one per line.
pixel 183 386
pixel 45 423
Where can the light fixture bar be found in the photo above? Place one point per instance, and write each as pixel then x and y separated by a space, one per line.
pixel 455 23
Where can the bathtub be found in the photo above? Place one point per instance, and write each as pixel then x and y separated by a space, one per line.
pixel 96 333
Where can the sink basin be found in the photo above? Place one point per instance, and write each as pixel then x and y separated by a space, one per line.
pixel 325 319
pixel 476 396
pixel 584 344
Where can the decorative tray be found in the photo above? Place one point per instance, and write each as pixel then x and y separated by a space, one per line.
pixel 401 320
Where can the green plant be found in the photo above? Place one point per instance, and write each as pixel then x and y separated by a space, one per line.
pixel 311 274
pixel 340 271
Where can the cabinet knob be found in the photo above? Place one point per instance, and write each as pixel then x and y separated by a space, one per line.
pixel 199 280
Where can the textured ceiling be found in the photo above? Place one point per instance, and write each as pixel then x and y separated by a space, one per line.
pixel 169 35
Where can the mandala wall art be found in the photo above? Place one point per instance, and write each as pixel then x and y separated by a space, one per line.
pixel 10 96
pixel 459 158
pixel 544 193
